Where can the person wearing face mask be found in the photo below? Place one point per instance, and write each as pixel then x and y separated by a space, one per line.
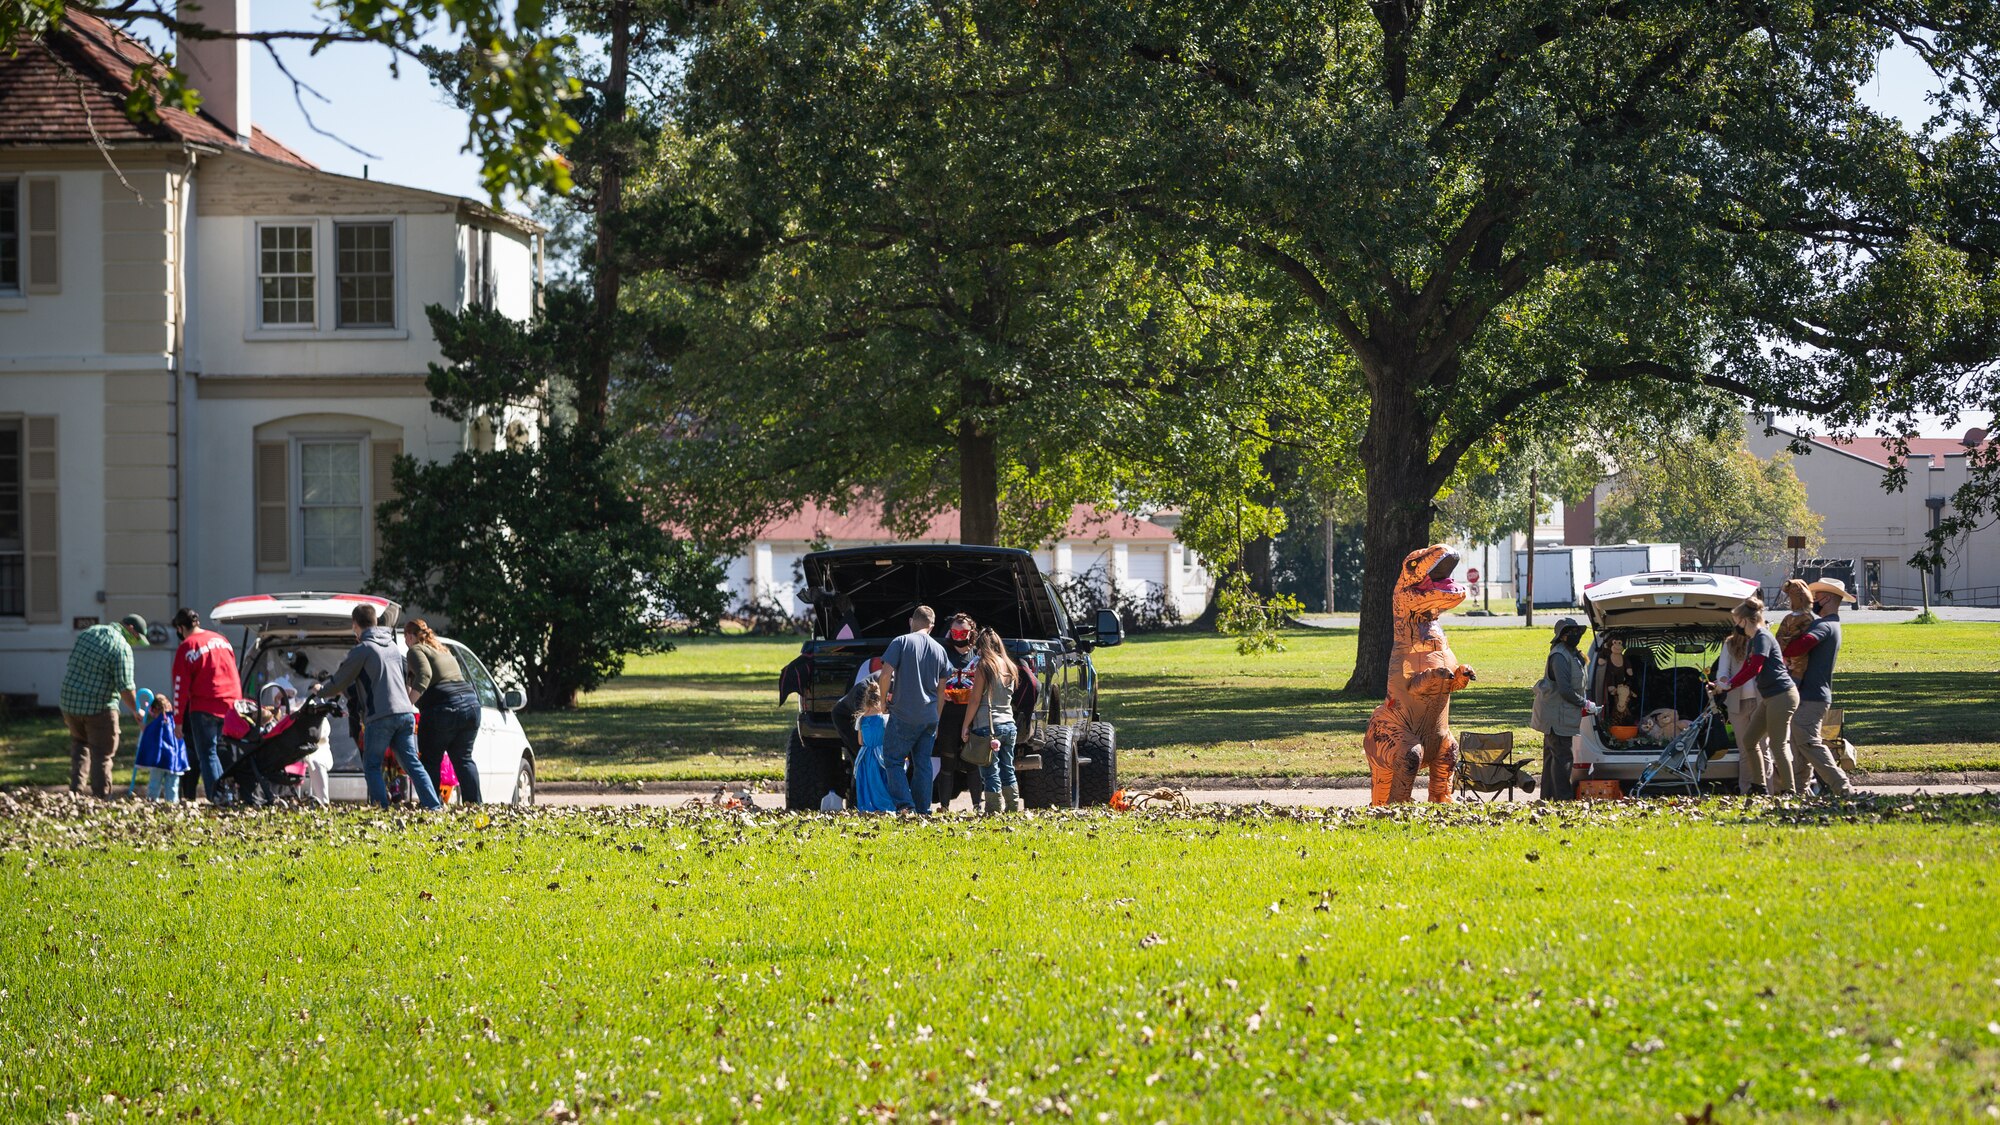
pixel 956 689
pixel 1742 703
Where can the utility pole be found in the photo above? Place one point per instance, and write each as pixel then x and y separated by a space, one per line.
pixel 1486 587
pixel 1326 546
pixel 1528 603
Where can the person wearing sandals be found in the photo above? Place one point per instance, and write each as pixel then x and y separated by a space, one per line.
pixel 449 706
pixel 990 715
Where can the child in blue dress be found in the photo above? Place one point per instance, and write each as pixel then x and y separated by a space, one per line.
pixel 160 748
pixel 871 784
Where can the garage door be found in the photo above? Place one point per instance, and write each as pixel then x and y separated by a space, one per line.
pixel 1145 567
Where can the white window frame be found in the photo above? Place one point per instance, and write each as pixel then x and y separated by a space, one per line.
pixel 18 291
pixel 395 272
pixel 326 280
pixel 297 486
pixel 258 275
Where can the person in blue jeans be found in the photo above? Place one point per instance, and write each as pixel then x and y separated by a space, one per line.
pixel 911 669
pixel 990 715
pixel 374 667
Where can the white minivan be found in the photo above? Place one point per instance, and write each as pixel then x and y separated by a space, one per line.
pixel 1663 630
pixel 301 639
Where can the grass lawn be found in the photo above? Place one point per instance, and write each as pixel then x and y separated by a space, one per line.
pixel 1586 964
pixel 1918 697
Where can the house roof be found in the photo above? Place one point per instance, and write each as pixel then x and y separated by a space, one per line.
pixel 1877 450
pixel 69 87
pixel 863 523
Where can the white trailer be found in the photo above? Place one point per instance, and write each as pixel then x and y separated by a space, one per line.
pixel 1620 559
pixel 1560 575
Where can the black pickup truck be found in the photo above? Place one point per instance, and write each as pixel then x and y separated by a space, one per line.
pixel 861 600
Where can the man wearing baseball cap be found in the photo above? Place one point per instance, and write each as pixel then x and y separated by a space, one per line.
pixel 1820 645
pixel 98 675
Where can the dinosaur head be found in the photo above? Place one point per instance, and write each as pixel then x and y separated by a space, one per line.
pixel 1425 585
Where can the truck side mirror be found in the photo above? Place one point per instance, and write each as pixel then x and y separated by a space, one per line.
pixel 1110 630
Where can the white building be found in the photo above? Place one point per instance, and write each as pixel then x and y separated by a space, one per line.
pixel 1137 554
pixel 210 351
pixel 1880 529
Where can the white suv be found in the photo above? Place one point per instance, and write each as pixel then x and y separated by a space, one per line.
pixel 283 633
pixel 1667 627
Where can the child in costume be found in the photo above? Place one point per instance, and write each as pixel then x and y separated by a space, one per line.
pixel 1799 596
pixel 871 784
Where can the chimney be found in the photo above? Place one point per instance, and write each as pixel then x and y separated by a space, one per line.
pixel 219 68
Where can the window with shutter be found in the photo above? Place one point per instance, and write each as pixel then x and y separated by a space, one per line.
pixel 41 542
pixel 10 236
pixel 13 559
pixel 272 482
pixel 44 258
pixel 382 482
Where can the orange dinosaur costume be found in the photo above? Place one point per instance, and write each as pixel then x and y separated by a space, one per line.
pixel 1413 726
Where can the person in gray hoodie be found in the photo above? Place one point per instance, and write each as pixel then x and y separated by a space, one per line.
pixel 389 720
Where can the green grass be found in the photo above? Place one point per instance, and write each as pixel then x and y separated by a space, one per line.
pixel 1917 697
pixel 1584 964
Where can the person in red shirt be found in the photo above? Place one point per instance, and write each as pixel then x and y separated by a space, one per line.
pixel 206 687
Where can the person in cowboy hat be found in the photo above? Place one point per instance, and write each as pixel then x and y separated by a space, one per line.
pixel 1820 645
pixel 99 674
pixel 1566 707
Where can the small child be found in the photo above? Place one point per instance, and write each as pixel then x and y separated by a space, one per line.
pixel 161 750
pixel 871 782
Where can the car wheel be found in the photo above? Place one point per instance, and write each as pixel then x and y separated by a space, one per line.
pixel 524 782
pixel 811 772
pixel 1054 785
pixel 1098 780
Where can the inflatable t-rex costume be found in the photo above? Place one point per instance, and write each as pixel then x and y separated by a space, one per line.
pixel 1413 726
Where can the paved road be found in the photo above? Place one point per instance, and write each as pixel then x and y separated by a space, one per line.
pixel 1342 797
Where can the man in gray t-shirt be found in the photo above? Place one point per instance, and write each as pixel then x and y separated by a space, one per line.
pixel 911 669
pixel 1820 644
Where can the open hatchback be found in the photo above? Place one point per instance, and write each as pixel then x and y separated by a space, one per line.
pixel 300 639
pixel 1655 640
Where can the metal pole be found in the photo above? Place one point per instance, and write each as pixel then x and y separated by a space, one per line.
pixel 1486 587
pixel 1528 604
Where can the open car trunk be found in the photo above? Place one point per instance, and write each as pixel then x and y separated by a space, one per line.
pixel 868 592
pixel 1657 639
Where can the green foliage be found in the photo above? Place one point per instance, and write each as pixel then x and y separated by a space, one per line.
pixel 538 550
pixel 1256 623
pixel 1242 965
pixel 1715 498
pixel 1927 617
pixel 538 556
pixel 510 69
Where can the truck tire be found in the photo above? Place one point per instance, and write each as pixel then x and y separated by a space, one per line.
pixel 1098 780
pixel 1054 785
pixel 811 772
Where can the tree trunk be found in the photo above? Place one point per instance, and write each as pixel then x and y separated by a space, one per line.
pixel 1257 563
pixel 593 397
pixel 1395 457
pixel 978 486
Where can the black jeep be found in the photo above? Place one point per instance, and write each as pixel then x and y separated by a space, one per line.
pixel 861 600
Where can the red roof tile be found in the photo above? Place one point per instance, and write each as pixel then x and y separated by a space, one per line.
pixel 69 87
pixel 863 523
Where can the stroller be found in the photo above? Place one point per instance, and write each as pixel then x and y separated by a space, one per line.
pixel 1685 757
pixel 269 761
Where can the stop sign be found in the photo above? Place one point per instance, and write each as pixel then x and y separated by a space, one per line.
pixel 1472 574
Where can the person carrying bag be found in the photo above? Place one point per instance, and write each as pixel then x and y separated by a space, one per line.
pixel 1560 707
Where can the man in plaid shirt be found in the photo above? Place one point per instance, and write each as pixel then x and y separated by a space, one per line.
pixel 99 674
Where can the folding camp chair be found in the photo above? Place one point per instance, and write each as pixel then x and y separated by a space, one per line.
pixel 1487 767
pixel 1684 758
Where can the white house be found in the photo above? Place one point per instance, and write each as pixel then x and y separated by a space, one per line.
pixel 1137 554
pixel 1882 529
pixel 210 350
